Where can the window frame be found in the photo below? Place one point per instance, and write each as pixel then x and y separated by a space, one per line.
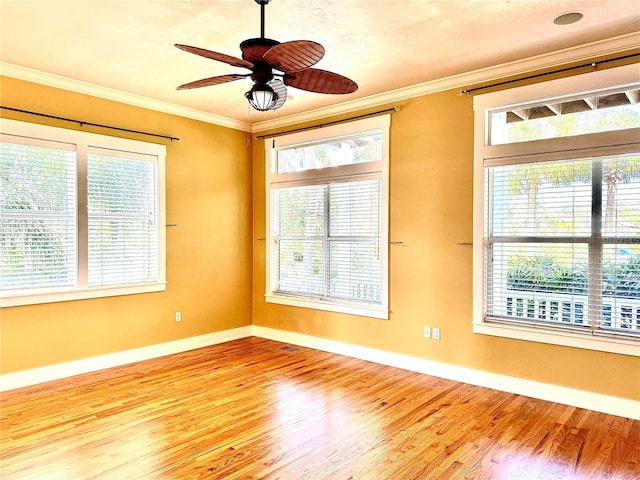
pixel 84 141
pixel 566 148
pixel 360 171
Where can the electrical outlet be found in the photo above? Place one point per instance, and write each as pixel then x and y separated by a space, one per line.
pixel 427 332
pixel 436 334
pixel 178 316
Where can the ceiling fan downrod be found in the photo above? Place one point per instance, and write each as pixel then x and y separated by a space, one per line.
pixel 262 4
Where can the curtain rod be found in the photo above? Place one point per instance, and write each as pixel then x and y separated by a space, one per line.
pixel 81 123
pixel 326 124
pixel 538 75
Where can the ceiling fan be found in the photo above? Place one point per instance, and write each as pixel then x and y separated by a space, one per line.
pixel 266 58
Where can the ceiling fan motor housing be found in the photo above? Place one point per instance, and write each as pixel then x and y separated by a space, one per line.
pixel 254 49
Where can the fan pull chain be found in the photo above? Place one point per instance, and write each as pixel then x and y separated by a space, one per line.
pixel 273 142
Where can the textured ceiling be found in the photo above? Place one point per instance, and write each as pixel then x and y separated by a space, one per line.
pixel 381 44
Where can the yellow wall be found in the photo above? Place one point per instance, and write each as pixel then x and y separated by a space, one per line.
pixel 208 255
pixel 431 185
pixel 215 264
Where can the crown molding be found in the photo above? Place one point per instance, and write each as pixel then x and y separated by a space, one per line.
pixel 519 67
pixel 64 83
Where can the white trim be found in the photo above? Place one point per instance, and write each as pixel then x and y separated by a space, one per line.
pixel 570 147
pixel 611 344
pixel 10 381
pixel 553 393
pixel 543 391
pixel 378 169
pixel 577 86
pixel 81 143
pixel 381 312
pixel 67 294
pixel 610 46
pixel 64 83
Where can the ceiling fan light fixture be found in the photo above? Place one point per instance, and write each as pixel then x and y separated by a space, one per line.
pixel 261 97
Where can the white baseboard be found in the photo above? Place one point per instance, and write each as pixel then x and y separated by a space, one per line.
pixel 34 376
pixel 567 396
pixel 564 395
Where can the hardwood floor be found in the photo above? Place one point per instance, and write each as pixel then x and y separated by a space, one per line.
pixel 258 409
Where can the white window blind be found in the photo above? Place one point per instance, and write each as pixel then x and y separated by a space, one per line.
pixel 563 244
pixel 328 240
pixel 122 218
pixel 81 215
pixel 355 224
pixel 328 219
pixel 38 213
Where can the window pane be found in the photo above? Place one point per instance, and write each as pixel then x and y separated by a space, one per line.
pixel 339 152
pixel 299 211
pixel 354 208
pixel 621 261
pixel 621 192
pixel 621 287
pixel 607 112
pixel 301 266
pixel 546 281
pixel 37 216
pixel 353 257
pixel 540 199
pixel 122 199
pixel 355 272
pixel 299 227
pixel 538 282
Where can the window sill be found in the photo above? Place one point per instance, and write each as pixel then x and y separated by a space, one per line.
pixel 623 346
pixel 329 306
pixel 69 294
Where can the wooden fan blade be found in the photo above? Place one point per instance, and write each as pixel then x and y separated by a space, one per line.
pixel 220 57
pixel 206 82
pixel 294 56
pixel 320 81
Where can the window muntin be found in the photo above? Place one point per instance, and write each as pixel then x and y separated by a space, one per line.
pixel 588 252
pixel 603 112
pixel 328 219
pixel 90 192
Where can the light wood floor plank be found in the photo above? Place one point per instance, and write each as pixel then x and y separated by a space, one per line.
pixel 249 409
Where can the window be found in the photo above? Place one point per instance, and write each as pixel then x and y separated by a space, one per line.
pixel 557 213
pixel 327 197
pixel 81 215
